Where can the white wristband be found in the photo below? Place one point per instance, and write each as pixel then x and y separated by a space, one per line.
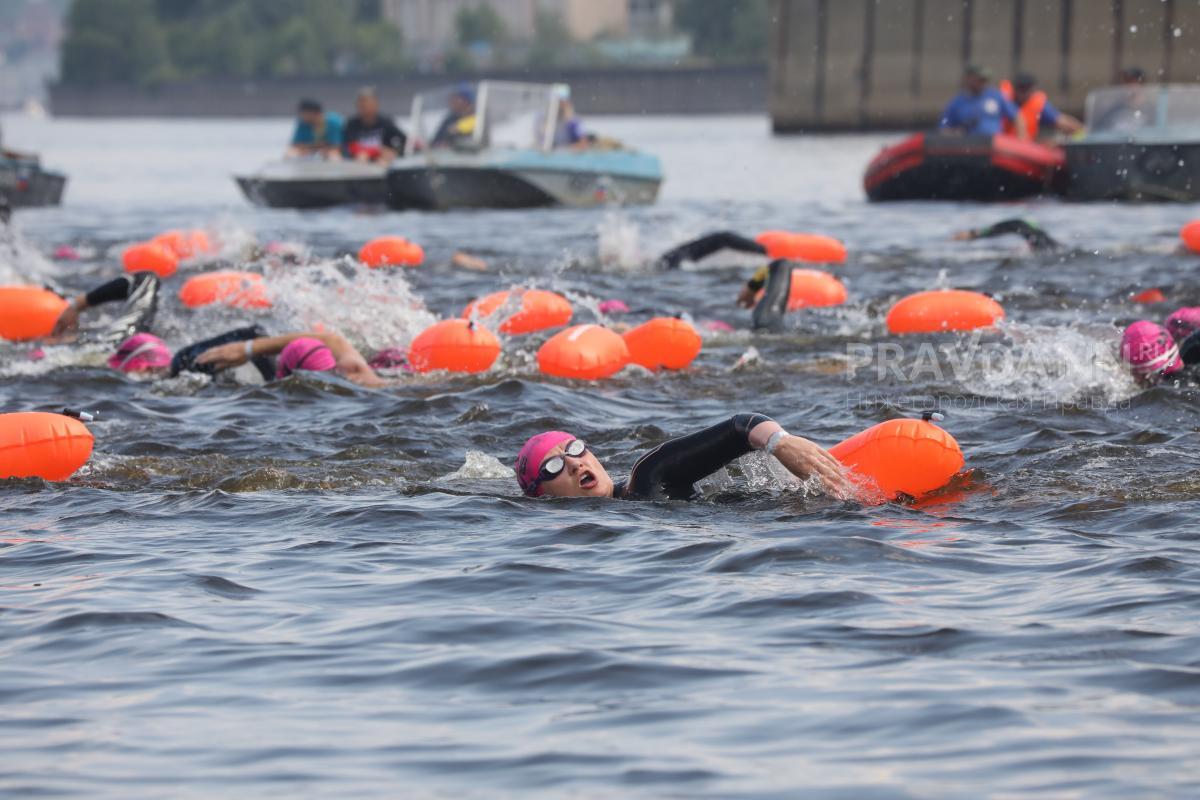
pixel 773 443
pixel 249 349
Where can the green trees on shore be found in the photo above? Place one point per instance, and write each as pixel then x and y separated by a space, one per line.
pixel 150 41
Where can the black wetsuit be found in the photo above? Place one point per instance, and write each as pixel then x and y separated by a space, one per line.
pixel 185 359
pixel 1033 235
pixel 670 471
pixel 707 245
pixel 139 292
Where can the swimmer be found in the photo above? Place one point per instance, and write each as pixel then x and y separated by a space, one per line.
pixel 1034 236
pixel 139 292
pixel 1154 352
pixel 146 355
pixel 310 351
pixel 558 464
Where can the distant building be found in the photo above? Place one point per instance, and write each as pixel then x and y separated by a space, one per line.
pixel 429 30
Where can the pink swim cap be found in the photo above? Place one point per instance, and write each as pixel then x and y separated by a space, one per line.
pixel 140 352
pixel 613 307
pixel 1184 322
pixel 305 353
pixel 529 460
pixel 1150 350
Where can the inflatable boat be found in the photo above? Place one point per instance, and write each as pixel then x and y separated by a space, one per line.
pixel 1143 144
pixel 936 166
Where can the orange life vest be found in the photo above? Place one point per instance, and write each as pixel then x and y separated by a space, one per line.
pixel 1031 111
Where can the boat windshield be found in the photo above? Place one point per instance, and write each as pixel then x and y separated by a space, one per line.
pixel 1139 107
pixel 507 115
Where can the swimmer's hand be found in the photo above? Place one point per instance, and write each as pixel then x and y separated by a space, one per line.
pixel 467 261
pixel 805 459
pixel 964 236
pixel 746 297
pixel 224 356
pixel 67 322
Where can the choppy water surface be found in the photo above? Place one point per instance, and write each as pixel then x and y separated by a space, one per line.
pixel 304 588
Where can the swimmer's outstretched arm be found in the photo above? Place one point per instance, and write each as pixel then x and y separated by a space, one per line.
pixel 672 469
pixel 117 289
pixel 350 363
pixel 707 245
pixel 1033 235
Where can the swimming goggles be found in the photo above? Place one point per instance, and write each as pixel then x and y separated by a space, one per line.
pixel 552 467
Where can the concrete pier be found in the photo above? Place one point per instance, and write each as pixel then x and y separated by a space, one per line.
pixel 873 64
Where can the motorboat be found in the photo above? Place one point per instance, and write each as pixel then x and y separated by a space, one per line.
pixel 315 183
pixel 509 158
pixel 25 184
pixel 945 166
pixel 1142 144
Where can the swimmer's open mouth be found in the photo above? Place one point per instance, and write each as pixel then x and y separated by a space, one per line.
pixel 587 480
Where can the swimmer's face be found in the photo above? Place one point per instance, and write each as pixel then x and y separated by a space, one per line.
pixel 583 476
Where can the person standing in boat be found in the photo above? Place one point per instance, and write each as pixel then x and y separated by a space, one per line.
pixel 980 110
pixel 371 136
pixel 1035 108
pixel 318 132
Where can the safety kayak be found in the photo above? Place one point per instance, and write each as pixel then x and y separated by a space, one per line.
pixel 934 166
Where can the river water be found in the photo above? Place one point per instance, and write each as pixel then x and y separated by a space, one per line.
pixel 306 589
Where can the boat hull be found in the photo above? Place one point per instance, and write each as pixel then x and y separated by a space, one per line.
pixel 1132 172
pixel 979 168
pixel 26 185
pixel 524 180
pixel 305 184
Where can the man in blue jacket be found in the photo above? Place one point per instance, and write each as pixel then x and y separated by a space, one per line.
pixel 980 109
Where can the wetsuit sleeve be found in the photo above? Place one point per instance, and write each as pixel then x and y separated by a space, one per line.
pixel 116 289
pixel 707 245
pixel 671 470
pixel 185 359
pixel 1189 350
pixel 1037 238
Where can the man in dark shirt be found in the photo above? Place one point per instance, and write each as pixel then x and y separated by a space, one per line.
pixel 371 136
pixel 458 126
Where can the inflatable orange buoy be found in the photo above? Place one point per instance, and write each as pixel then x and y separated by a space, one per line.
pixel 185 244
pixel 150 257
pixel 588 352
pixel 237 289
pixel 811 247
pixel 943 310
pixel 391 251
pixel 454 345
pixel 663 342
pixel 902 456
pixel 28 312
pixel 539 310
pixel 1149 296
pixel 34 444
pixel 1191 236
pixel 814 287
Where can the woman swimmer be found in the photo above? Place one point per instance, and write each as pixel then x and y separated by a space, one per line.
pixel 315 352
pixel 1154 352
pixel 560 465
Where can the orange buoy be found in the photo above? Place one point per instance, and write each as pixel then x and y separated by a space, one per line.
pixel 237 289
pixel 185 244
pixel 901 456
pixel 391 251
pixel 150 257
pixel 34 444
pixel 663 342
pixel 539 311
pixel 28 312
pixel 454 345
pixel 1191 235
pixel 588 352
pixel 814 287
pixel 943 310
pixel 1149 296
pixel 810 247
